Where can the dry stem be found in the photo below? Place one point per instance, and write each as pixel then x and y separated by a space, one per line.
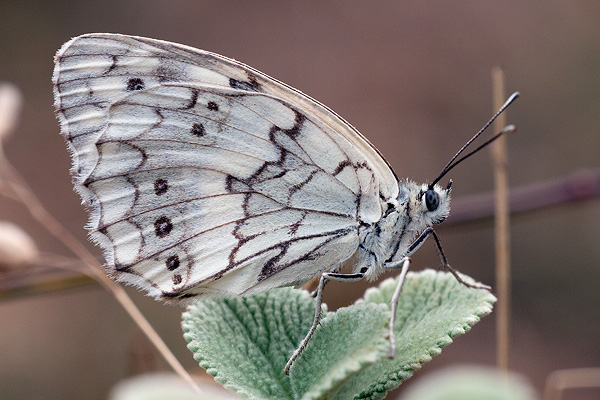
pixel 502 229
pixel 20 190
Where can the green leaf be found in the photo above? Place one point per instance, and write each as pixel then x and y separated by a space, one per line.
pixel 245 342
pixel 345 343
pixel 433 308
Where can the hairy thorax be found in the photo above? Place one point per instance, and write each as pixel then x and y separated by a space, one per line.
pixel 403 219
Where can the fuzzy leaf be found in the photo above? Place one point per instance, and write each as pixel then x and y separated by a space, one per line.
pixel 346 342
pixel 245 342
pixel 433 308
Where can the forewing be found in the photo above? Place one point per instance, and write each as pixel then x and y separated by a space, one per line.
pixel 204 176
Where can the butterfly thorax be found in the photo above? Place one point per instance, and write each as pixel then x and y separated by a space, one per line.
pixel 402 220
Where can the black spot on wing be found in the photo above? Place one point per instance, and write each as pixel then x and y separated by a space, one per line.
pixel 212 106
pixel 172 263
pixel 198 130
pixel 251 85
pixel 160 186
pixel 134 84
pixel 163 226
pixel 177 279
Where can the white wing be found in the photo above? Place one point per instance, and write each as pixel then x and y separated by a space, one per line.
pixel 205 176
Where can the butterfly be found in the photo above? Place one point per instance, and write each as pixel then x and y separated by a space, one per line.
pixel 206 177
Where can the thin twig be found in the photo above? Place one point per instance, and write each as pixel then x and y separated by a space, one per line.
pixel 17 184
pixel 502 228
pixel 578 186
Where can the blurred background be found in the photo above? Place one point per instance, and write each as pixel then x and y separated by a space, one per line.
pixel 412 76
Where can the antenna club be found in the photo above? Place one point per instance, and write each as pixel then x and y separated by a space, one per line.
pixel 511 98
pixel 509 129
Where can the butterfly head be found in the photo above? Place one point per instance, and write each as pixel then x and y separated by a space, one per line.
pixel 433 203
pixel 424 205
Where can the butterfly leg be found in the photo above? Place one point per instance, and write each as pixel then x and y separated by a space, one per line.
pixel 319 301
pixel 417 243
pixel 316 291
pixel 405 264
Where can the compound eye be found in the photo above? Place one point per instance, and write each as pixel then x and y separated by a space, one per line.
pixel 432 200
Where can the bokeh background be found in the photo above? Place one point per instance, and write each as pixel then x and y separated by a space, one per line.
pixel 414 77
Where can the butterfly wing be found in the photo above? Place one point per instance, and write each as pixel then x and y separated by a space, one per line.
pixel 205 176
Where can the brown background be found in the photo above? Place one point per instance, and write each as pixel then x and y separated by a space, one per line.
pixel 414 77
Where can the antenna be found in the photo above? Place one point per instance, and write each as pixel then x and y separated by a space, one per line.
pixel 454 162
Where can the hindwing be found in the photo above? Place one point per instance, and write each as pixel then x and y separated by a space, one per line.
pixel 205 176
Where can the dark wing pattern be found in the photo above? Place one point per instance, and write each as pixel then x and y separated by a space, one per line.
pixel 204 176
